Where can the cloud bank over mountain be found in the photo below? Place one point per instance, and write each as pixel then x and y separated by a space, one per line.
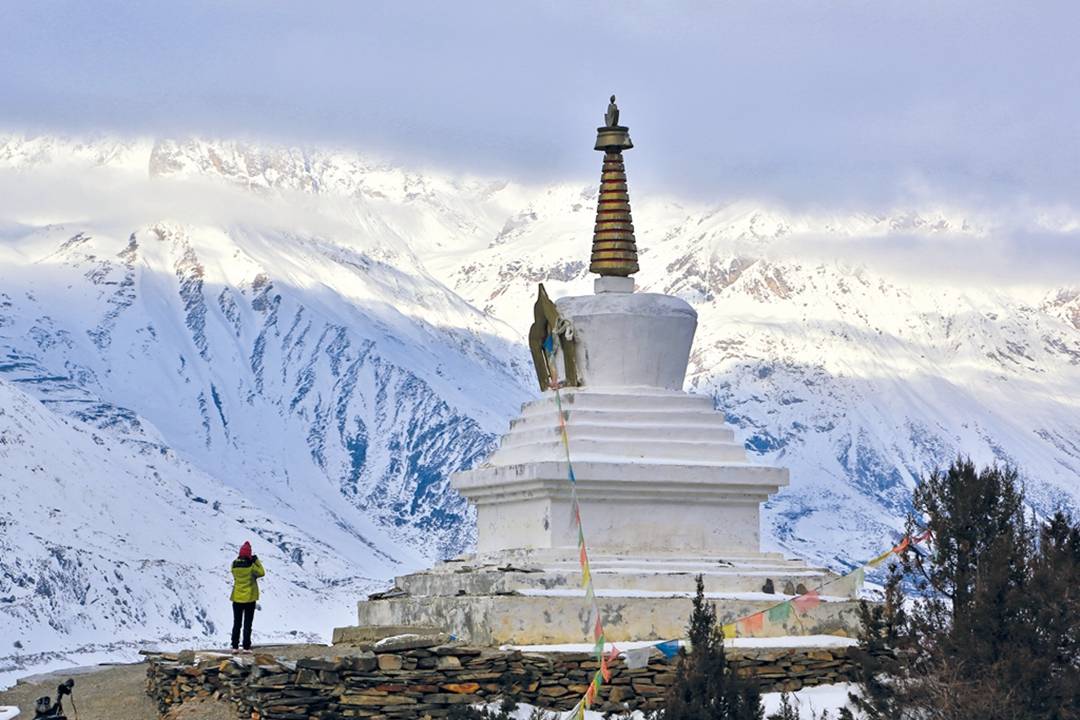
pixel 840 104
pixel 111 180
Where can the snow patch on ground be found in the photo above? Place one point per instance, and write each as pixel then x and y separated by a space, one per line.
pixel 810 702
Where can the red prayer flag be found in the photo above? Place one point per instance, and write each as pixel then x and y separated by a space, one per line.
pixel 804 603
pixel 753 623
pixel 613 654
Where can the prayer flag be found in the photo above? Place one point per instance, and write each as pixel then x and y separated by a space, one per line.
pixel 594 614
pixel 638 657
pixel 780 613
pixel 729 631
pixel 604 669
pixel 903 545
pixel 850 584
pixel 804 603
pixel 880 558
pixel 857 579
pixel 752 624
pixel 669 648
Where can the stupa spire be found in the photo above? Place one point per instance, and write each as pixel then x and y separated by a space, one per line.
pixel 614 250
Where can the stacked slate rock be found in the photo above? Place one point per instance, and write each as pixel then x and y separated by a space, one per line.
pixel 425 677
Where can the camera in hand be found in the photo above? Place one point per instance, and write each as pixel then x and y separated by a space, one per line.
pixel 46 709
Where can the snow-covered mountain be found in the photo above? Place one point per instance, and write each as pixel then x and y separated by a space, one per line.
pixel 315 340
pixel 311 368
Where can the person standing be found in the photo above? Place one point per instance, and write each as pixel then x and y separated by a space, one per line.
pixel 246 571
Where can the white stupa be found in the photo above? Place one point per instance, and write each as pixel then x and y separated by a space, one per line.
pixel 658 472
pixel 666 491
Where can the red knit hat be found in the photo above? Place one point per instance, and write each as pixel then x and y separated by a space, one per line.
pixel 245 550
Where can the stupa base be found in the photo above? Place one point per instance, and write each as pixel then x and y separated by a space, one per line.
pixel 530 597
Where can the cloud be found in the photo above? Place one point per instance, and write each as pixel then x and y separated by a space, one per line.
pixel 1012 249
pixel 118 200
pixel 1013 245
pixel 835 102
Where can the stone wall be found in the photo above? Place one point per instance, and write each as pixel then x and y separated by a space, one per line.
pixel 415 678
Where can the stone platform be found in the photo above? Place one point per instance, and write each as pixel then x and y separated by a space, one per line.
pixel 416 677
pixel 528 597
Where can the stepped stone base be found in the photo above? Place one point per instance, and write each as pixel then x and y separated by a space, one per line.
pixel 525 597
pixel 653 468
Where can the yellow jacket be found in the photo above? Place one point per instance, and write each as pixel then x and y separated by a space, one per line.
pixel 246 573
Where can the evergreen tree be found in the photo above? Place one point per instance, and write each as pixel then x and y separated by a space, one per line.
pixel 981 550
pixel 880 671
pixel 705 687
pixel 1052 620
pixel 996 633
pixel 787 710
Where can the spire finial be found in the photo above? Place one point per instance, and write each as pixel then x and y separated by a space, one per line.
pixel 614 250
pixel 611 117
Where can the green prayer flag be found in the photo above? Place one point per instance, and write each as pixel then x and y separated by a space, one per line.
pixel 780 613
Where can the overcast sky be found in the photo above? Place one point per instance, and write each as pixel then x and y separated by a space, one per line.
pixel 864 103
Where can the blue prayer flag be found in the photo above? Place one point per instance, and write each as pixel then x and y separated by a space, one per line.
pixel 669 648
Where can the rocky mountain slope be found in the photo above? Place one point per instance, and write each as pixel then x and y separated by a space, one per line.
pixel 319 339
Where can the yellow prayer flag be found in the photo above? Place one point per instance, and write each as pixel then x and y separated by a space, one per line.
pixel 729 631
pixel 880 558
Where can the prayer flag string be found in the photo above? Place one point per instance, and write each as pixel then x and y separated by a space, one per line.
pixel 603 673
pixel 781 612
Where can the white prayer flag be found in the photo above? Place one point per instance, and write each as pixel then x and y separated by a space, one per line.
pixel 638 657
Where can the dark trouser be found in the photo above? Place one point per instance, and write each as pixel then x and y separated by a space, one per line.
pixel 245 612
